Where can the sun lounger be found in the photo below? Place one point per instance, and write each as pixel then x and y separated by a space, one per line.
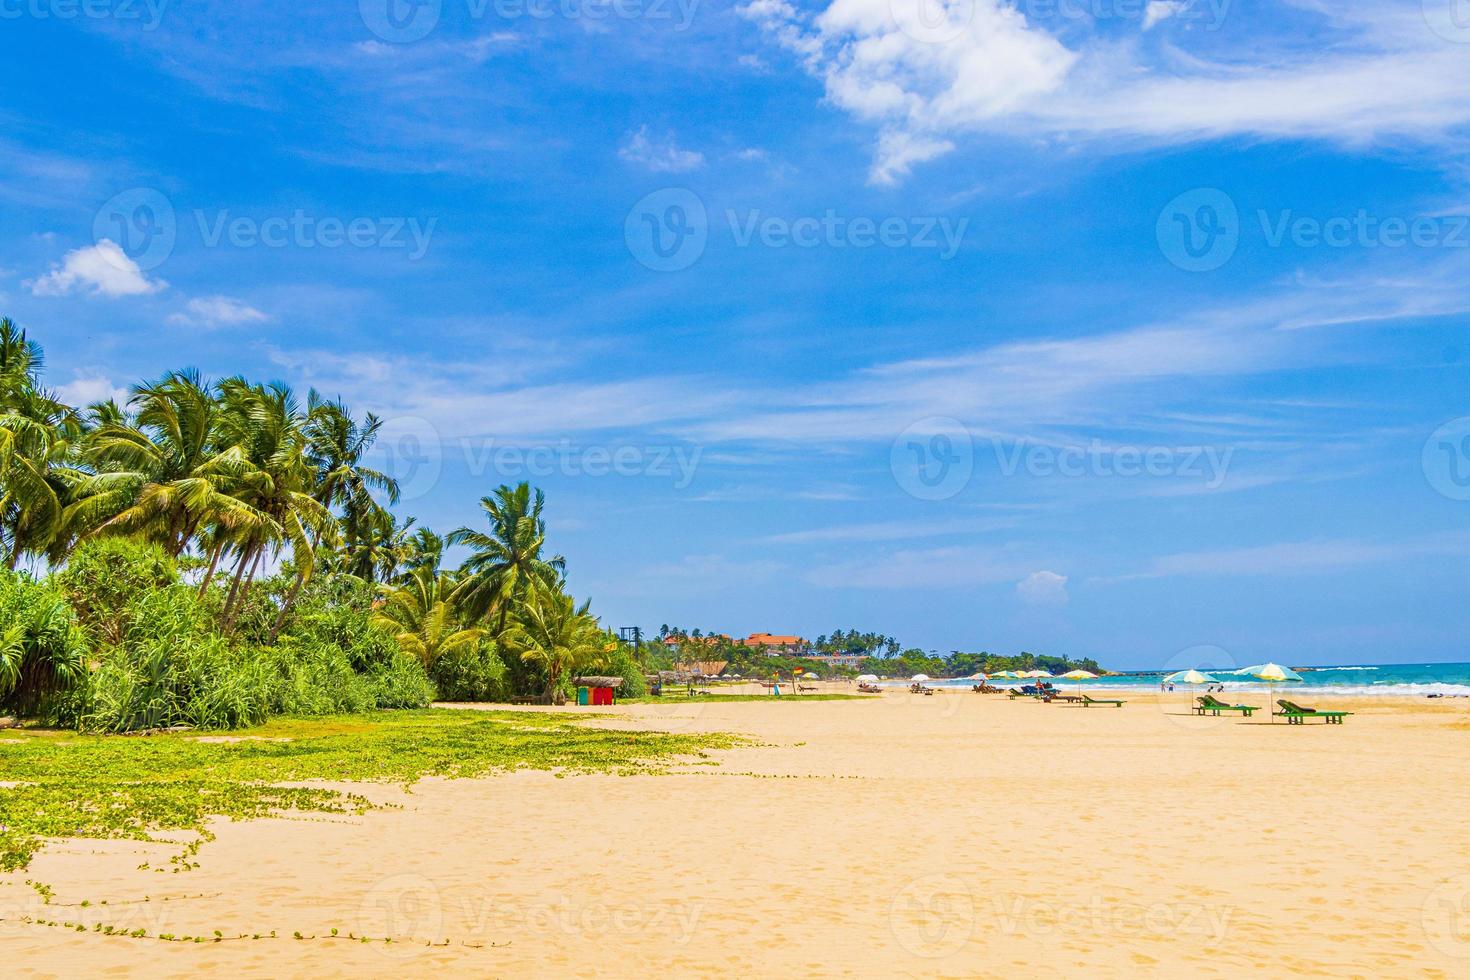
pixel 866 688
pixel 1295 714
pixel 1088 702
pixel 1050 696
pixel 1209 704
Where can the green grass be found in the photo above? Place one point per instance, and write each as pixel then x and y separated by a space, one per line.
pixel 109 786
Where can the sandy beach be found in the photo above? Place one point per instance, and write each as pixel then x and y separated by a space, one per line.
pixel 953 835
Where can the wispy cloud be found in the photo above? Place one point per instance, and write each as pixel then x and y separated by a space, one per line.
pixel 661 154
pixel 1298 557
pixel 924 75
pixel 217 311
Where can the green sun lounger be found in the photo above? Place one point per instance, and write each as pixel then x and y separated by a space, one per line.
pixel 1088 702
pixel 1209 704
pixel 1295 714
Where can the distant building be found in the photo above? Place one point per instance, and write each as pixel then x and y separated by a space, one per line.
pixel 772 642
pixel 838 659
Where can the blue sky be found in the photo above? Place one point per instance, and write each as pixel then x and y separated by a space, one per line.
pixel 1098 327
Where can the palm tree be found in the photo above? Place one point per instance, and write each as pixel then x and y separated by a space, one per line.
pixel 507 561
pixel 167 471
pixel 265 421
pixel 38 436
pixel 551 631
pixel 374 545
pixel 335 446
pixel 423 550
pixel 420 612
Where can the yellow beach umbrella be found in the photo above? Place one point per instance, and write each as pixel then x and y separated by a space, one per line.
pixel 1272 674
pixel 1080 675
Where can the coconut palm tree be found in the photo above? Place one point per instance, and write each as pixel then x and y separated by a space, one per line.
pixel 38 437
pixel 165 472
pixel 420 612
pixel 551 631
pixel 266 422
pixel 507 561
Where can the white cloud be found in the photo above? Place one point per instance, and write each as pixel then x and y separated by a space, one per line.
pixel 104 267
pixel 1299 557
pixel 661 155
pixel 1043 588
pixel 892 531
pixel 1161 10
pixel 979 67
pixel 87 388
pixel 217 311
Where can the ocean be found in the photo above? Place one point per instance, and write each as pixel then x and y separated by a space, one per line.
pixel 1449 680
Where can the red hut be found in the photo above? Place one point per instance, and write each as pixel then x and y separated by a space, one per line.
pixel 599 689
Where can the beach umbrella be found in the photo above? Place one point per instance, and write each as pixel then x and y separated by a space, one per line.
pixel 1035 673
pixel 867 678
pixel 919 677
pixel 1190 676
pixel 1080 675
pixel 1272 674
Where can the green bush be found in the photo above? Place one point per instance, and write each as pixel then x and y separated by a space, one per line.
pixel 43 650
pixel 475 674
pixel 102 578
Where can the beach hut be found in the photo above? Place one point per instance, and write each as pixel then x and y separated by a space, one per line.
pixel 596 690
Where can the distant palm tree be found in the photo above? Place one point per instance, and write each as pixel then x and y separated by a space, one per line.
pixel 507 561
pixel 420 612
pixel 551 631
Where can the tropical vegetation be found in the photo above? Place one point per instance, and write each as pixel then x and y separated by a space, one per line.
pixel 214 552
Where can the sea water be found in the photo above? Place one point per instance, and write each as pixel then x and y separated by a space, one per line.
pixel 1449 680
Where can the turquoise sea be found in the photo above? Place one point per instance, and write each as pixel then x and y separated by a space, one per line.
pixel 1449 680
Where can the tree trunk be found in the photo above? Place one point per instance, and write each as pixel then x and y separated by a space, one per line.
pixel 290 600
pixel 219 550
pixel 246 554
pixel 245 589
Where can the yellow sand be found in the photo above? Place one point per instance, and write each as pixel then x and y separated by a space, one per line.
pixel 952 835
